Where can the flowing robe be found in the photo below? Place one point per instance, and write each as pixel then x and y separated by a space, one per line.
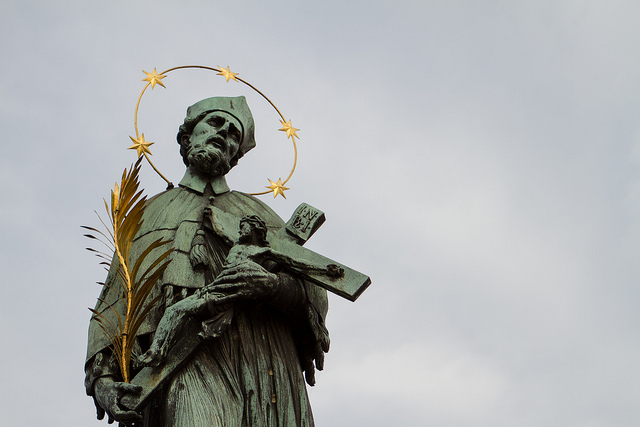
pixel 252 374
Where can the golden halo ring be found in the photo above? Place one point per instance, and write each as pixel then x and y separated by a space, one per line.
pixel 142 146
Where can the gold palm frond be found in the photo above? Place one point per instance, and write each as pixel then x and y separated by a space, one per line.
pixel 125 219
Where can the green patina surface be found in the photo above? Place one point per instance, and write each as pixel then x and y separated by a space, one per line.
pixel 268 289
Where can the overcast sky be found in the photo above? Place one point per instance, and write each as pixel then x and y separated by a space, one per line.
pixel 480 160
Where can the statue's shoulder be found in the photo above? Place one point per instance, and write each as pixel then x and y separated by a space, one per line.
pixel 166 197
pixel 169 208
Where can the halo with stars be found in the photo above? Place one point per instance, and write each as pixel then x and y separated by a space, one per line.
pixel 142 146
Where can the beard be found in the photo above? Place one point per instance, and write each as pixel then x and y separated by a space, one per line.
pixel 209 160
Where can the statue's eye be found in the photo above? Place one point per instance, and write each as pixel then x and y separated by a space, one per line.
pixel 234 133
pixel 216 121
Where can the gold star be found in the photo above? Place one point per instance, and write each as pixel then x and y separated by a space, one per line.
pixel 227 73
pixel 154 78
pixel 140 145
pixel 290 130
pixel 278 188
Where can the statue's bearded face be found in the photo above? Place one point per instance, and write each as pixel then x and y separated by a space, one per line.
pixel 213 143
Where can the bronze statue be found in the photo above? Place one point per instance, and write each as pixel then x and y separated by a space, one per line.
pixel 260 314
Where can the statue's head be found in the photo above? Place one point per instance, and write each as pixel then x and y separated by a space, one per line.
pixel 253 227
pixel 215 134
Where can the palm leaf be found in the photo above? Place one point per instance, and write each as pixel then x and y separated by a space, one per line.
pixel 114 310
pixel 126 212
pixel 144 290
pixel 96 231
pixel 155 245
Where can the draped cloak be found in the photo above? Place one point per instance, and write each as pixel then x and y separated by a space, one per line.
pixel 252 374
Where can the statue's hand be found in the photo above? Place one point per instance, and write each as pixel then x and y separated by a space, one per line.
pixel 152 357
pixel 108 393
pixel 244 281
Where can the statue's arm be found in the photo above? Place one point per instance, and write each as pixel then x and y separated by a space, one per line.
pixel 300 266
pixel 289 294
pixel 249 280
pixel 102 382
pixel 103 364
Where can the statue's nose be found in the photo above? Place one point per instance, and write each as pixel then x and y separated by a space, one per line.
pixel 224 130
